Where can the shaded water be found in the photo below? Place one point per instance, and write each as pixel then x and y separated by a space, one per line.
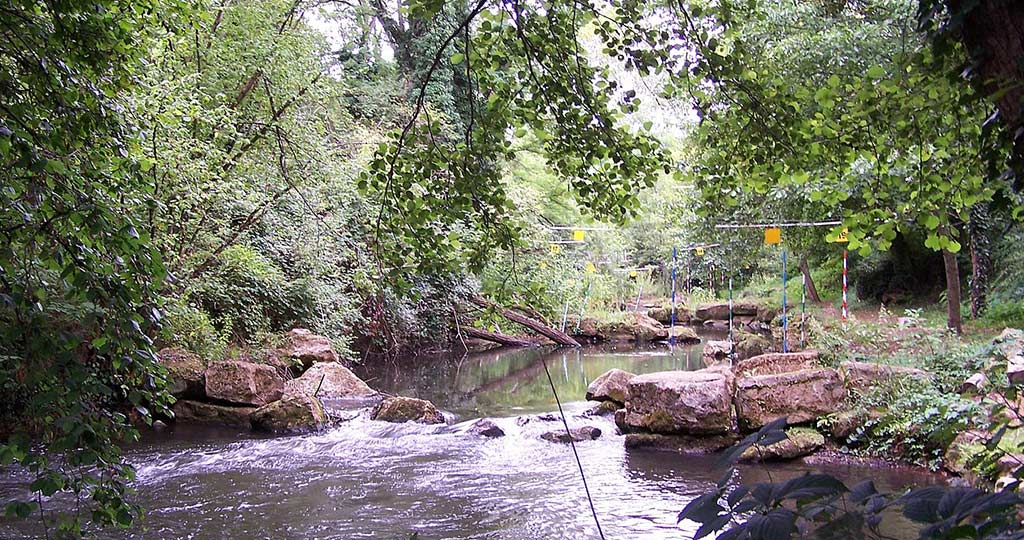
pixel 366 479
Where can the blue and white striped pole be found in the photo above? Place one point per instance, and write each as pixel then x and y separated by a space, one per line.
pixel 672 317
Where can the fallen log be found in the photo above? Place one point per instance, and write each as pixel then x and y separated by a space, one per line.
pixel 560 338
pixel 494 337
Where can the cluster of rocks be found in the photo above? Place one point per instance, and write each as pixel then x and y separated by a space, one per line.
pixel 708 409
pixel 745 315
pixel 634 327
pixel 280 390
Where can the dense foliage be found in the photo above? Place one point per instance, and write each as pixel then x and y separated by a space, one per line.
pixel 205 174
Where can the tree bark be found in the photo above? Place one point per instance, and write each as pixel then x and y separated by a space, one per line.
pixel 953 319
pixel 558 337
pixel 993 34
pixel 981 257
pixel 812 291
pixel 494 337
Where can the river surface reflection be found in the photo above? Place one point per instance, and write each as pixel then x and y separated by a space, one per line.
pixel 366 479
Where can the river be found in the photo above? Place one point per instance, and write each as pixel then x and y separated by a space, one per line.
pixel 366 479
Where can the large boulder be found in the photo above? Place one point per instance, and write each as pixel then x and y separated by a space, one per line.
pixel 712 312
pixel 664 315
pixel 610 386
pixel 684 334
pixel 333 380
pixel 751 345
pixel 801 396
pixel 195 411
pixel 771 363
pixel 243 383
pixel 678 402
pixel 406 409
pixel 184 372
pixel 862 376
pixel 799 442
pixel 1010 345
pixel 293 413
pixel 485 427
pixel 307 348
pixel 635 327
pixel 580 434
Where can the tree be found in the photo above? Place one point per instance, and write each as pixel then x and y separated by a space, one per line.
pixel 852 129
pixel 78 302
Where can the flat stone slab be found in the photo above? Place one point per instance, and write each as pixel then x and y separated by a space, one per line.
pixel 679 403
pixel 772 363
pixel 208 413
pixel 801 396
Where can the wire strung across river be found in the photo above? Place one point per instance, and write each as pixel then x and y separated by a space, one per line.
pixel 573 445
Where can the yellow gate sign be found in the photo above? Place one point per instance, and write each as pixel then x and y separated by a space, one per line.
pixel 632 273
pixel 578 235
pixel 773 235
pixel 556 249
pixel 844 236
pixel 700 251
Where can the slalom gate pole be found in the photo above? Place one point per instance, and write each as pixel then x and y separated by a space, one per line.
pixel 639 292
pixel 785 324
pixel 803 312
pixel 846 312
pixel 672 317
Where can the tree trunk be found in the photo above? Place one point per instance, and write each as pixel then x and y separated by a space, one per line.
pixel 812 291
pixel 494 337
pixel 993 34
pixel 978 229
pixel 558 337
pixel 953 318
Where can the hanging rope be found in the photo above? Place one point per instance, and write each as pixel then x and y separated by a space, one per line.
pixel 572 444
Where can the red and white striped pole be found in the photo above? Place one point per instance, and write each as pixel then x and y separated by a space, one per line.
pixel 846 312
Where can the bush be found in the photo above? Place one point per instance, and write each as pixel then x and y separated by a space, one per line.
pixel 246 295
pixel 190 328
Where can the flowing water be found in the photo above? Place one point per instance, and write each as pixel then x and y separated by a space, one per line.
pixel 365 479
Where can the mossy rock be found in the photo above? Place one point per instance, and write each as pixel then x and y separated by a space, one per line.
pixel 799 442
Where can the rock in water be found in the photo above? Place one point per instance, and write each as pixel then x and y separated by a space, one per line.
pixel 184 373
pixel 291 414
pixel 715 352
pixel 799 442
pixel 679 403
pixel 338 382
pixel 486 428
pixel 684 334
pixel 580 434
pixel 768 364
pixel 244 383
pixel 407 409
pixel 801 396
pixel 194 411
pixel 751 345
pixel 308 348
pixel 683 444
pixel 610 386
